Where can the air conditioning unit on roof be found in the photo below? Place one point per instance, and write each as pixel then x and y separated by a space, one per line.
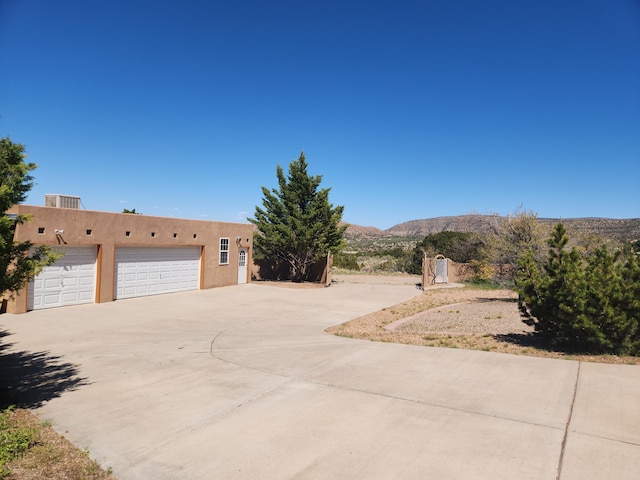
pixel 62 201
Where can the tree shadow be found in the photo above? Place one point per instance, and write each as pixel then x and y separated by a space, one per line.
pixel 495 299
pixel 30 379
pixel 530 339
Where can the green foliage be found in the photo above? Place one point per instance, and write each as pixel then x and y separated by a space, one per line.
pixel 297 225
pixel 19 261
pixel 14 441
pixel 514 237
pixel 589 305
pixel 15 180
pixel 482 271
pixel 132 211
pixel 461 247
pixel 348 261
pixel 484 284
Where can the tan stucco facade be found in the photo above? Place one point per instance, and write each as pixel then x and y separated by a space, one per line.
pixel 107 231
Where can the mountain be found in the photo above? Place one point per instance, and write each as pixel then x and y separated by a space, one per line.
pixel 359 231
pixel 460 223
pixel 616 229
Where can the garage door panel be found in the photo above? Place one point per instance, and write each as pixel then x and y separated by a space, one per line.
pixel 49 283
pixel 144 271
pixel 71 297
pixel 51 300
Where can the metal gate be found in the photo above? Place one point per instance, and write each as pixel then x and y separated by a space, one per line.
pixel 442 270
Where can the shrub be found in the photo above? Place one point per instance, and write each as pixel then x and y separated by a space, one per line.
pixel 587 305
pixel 348 261
pixel 482 271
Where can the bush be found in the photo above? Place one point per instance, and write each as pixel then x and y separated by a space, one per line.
pixel 348 261
pixel 482 271
pixel 582 305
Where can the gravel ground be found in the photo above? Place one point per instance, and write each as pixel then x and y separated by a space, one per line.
pixel 460 311
pixel 490 312
pixel 495 313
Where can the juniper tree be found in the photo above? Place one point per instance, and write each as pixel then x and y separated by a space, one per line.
pixel 19 261
pixel 297 224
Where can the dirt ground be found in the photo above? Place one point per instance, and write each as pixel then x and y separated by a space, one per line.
pixel 50 455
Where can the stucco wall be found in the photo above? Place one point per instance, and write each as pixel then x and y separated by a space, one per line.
pixel 109 230
pixel 457 272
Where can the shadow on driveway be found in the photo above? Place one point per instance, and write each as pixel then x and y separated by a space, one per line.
pixel 30 379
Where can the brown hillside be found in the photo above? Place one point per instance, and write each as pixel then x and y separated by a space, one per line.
pixel 359 231
pixel 616 229
pixel 460 223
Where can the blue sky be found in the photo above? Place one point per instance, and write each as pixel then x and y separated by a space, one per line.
pixel 408 109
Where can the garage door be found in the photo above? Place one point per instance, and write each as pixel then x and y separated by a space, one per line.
pixel 69 281
pixel 142 271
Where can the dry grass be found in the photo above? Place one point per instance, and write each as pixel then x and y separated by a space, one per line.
pixel 49 455
pixel 481 330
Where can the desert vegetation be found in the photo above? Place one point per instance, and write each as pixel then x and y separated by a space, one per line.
pixel 477 239
pixel 580 295
pixel 584 303
pixel 470 318
pixel 31 450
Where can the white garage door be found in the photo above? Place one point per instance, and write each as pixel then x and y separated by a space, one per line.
pixel 69 281
pixel 142 271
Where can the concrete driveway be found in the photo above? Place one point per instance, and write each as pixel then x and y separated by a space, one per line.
pixel 242 383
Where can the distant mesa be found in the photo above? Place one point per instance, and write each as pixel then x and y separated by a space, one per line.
pixel 357 230
pixel 618 229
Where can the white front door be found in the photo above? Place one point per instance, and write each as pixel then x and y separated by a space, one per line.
pixel 69 281
pixel 242 266
pixel 142 271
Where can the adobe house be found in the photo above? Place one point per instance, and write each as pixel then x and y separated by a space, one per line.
pixel 112 256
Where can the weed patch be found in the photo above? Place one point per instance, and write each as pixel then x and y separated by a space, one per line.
pixel 31 450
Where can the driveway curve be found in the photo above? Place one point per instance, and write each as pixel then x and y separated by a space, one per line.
pixel 243 383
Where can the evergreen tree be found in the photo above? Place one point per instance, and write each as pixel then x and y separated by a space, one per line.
pixel 19 261
pixel 297 225
pixel 587 305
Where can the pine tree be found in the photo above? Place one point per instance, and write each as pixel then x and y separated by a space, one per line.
pixel 589 305
pixel 19 261
pixel 297 225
